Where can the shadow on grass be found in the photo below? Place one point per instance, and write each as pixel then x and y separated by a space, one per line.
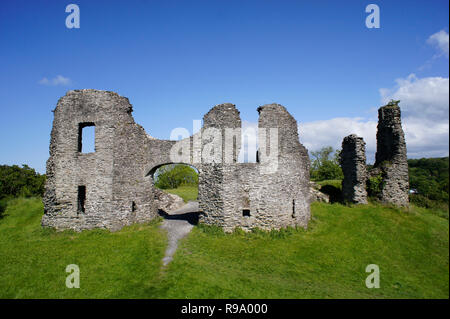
pixel 191 217
pixel 334 193
pixel 3 205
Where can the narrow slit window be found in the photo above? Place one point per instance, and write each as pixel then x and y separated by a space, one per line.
pixel 133 207
pixel 246 212
pixel 86 137
pixel 293 208
pixel 81 198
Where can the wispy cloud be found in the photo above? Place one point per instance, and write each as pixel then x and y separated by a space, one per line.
pixel 440 41
pixel 58 80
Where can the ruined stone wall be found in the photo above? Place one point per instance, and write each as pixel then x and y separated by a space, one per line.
pixel 390 170
pixel 390 159
pixel 68 168
pixel 117 177
pixel 270 194
pixel 353 163
pixel 213 179
pixel 287 175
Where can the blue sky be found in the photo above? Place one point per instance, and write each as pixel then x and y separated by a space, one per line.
pixel 174 60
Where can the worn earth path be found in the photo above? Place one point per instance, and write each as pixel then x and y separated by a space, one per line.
pixel 178 224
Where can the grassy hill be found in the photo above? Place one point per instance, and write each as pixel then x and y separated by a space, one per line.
pixel 188 193
pixel 326 261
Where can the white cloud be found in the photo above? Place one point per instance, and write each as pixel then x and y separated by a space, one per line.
pixel 58 80
pixel 425 139
pixel 318 134
pixel 425 118
pixel 440 41
pixel 425 112
pixel 425 98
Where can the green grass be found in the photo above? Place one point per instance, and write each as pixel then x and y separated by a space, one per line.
pixel 186 192
pixel 326 261
pixel 333 182
pixel 33 260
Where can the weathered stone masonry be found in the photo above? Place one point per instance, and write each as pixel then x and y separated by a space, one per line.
pixel 390 168
pixel 112 187
pixel 390 159
pixel 353 163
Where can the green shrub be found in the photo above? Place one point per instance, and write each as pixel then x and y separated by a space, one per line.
pixel 375 185
pixel 174 175
pixel 422 201
pixel 429 176
pixel 333 182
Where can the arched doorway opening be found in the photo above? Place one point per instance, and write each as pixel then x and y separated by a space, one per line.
pixel 176 191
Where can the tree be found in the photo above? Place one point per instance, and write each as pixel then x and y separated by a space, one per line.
pixel 174 175
pixel 325 164
pixel 429 177
pixel 20 181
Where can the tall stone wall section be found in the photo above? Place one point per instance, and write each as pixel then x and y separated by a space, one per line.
pixel 353 163
pixel 112 175
pixel 390 158
pixel 274 192
pixel 118 176
pixel 221 120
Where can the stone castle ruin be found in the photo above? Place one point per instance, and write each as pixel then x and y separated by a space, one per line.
pixel 390 171
pixel 113 186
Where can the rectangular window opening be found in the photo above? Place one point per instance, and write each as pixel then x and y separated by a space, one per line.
pixel 246 212
pixel 86 137
pixel 133 207
pixel 81 198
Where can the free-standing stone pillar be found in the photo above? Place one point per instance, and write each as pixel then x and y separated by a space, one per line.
pixel 390 159
pixel 353 163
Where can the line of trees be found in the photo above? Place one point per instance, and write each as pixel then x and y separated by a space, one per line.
pixel 429 178
pixel 16 181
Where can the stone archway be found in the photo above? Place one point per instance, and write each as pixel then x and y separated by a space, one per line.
pixel 171 197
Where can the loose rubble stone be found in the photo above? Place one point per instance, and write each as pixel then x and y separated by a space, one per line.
pixel 316 194
pixel 168 202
